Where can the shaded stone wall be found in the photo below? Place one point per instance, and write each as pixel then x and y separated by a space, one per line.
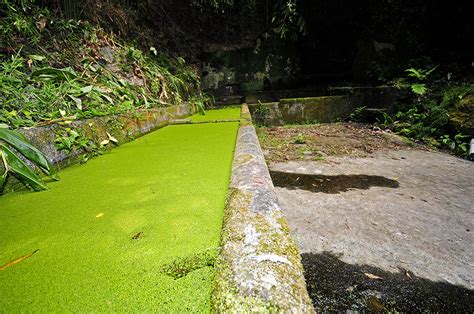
pixel 371 101
pixel 269 63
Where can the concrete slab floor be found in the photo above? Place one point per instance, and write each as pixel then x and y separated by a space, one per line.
pixel 375 229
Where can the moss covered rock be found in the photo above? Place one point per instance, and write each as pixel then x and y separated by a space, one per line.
pixel 462 117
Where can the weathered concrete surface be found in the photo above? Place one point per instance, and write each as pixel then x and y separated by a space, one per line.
pixel 424 225
pixel 259 266
pixel 303 110
pixel 369 96
pixel 380 97
pixel 276 95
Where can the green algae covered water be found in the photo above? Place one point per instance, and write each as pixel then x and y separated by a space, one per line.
pixel 114 234
pixel 227 113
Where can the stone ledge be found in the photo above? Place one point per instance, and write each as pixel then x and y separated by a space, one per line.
pixel 259 266
pixel 304 110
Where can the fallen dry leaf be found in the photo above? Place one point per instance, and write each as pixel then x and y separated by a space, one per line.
pixel 18 260
pixel 372 276
pixel 111 138
pixel 41 24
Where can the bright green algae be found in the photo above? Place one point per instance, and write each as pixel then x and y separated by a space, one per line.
pixel 228 113
pixel 170 185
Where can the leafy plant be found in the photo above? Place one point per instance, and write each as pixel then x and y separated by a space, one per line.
pixel 428 120
pixel 419 87
pixel 260 113
pixel 420 74
pixel 12 142
pixel 300 139
pixel 70 139
pixel 65 74
pixel 358 114
pixel 287 20
pixel 201 102
pixel 458 144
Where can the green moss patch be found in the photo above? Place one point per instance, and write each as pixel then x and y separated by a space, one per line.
pixel 227 113
pixel 182 266
pixel 108 231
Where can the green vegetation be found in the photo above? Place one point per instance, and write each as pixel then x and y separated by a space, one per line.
pixel 419 87
pixel 137 228
pixel 358 114
pixel 442 117
pixel 300 139
pixel 287 20
pixel 228 113
pixel 56 70
pixel 260 113
pixel 13 164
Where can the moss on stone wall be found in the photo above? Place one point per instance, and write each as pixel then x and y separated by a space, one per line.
pixel 259 265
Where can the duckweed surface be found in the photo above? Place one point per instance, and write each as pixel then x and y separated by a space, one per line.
pixel 228 113
pixel 103 234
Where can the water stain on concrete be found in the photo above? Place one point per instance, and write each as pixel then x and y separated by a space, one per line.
pixel 334 285
pixel 330 184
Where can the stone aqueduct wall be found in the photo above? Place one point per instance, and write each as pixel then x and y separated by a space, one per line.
pixel 259 266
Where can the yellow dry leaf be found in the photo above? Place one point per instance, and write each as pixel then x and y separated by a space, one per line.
pixel 111 138
pixel 41 24
pixel 18 260
pixel 372 276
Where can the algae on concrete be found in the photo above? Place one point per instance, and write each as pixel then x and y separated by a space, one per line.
pixel 304 110
pixel 259 267
pixel 106 232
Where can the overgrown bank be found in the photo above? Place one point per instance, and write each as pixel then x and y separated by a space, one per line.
pixel 440 112
pixel 56 71
pixel 53 69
